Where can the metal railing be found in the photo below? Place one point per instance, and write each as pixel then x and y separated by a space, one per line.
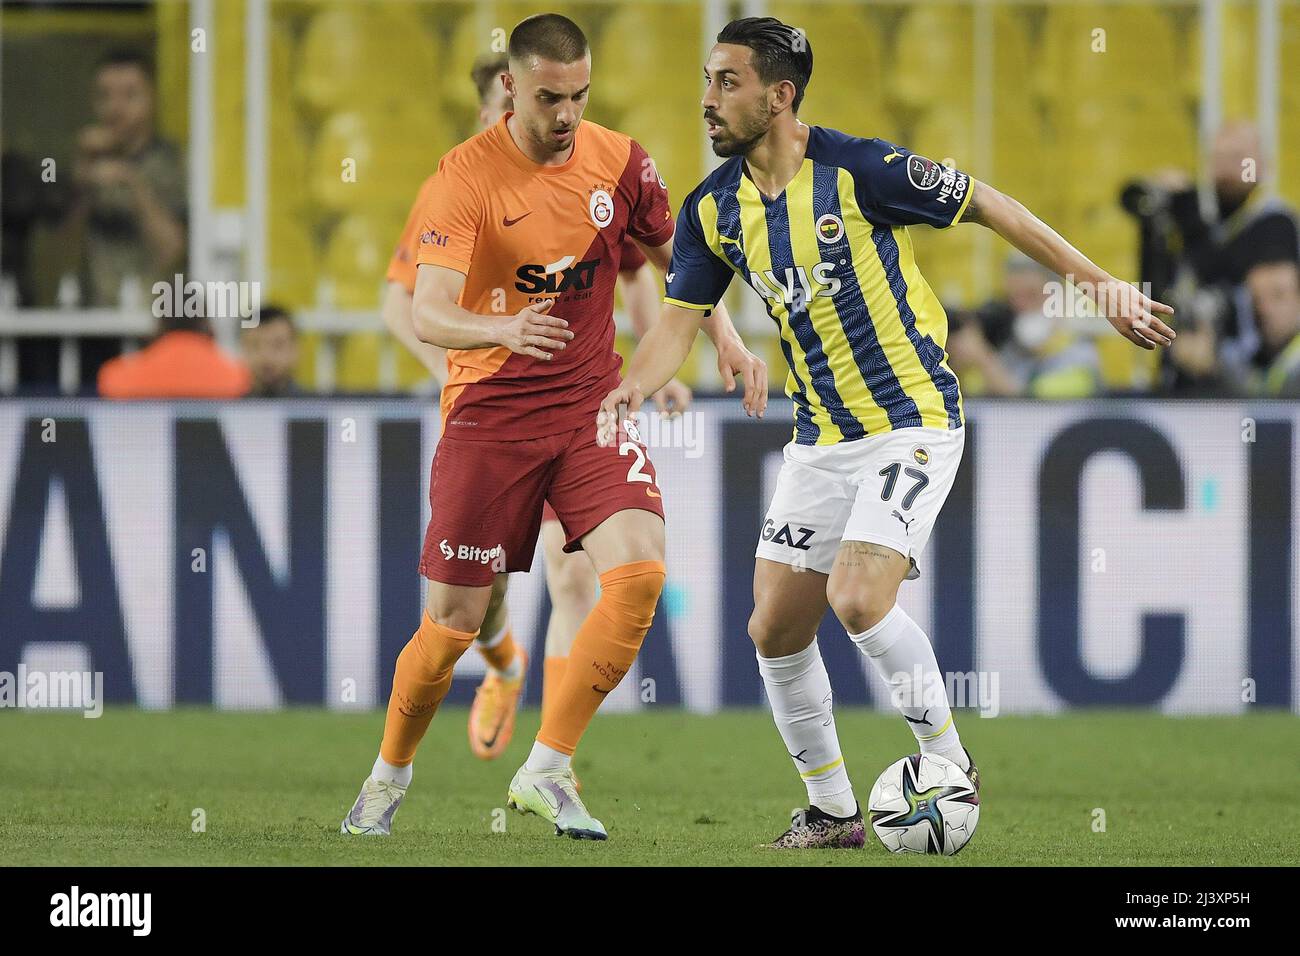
pixel 134 326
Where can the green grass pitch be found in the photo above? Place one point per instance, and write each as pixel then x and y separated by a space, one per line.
pixel 672 788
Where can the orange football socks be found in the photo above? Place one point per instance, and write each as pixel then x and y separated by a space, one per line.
pixel 419 684
pixel 603 650
pixel 552 677
pixel 501 655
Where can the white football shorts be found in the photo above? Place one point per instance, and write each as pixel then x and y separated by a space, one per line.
pixel 886 489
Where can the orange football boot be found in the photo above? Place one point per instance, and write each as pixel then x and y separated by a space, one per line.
pixel 492 715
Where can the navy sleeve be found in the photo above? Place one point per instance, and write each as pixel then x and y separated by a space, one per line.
pixel 896 187
pixel 697 278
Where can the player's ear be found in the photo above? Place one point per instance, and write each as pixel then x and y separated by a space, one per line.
pixel 508 81
pixel 783 98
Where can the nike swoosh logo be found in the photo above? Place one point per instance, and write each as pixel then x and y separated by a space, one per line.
pixel 507 221
pixel 546 799
pixel 651 493
pixel 599 691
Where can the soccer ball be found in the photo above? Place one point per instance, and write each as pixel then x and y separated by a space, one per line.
pixel 924 804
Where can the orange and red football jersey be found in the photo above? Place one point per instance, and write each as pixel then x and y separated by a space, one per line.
pixel 522 233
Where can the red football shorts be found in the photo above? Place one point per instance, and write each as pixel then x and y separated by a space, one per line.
pixel 487 499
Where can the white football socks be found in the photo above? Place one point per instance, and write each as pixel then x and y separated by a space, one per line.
pixel 385 772
pixel 800 694
pixel 904 657
pixel 515 669
pixel 542 758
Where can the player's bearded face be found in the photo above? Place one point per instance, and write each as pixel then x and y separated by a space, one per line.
pixel 549 100
pixel 737 105
pixel 739 133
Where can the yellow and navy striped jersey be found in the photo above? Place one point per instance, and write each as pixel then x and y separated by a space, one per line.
pixel 862 332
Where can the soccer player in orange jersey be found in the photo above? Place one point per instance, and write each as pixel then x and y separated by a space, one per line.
pixel 517 258
pixel 570 578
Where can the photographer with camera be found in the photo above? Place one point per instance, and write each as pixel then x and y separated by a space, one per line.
pixel 1204 263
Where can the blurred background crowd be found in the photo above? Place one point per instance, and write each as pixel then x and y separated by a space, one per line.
pixel 1162 138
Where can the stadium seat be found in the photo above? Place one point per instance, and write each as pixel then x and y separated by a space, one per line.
pixel 292 259
pixel 656 46
pixel 356 256
pixel 471 37
pixel 1024 155
pixel 1013 59
pixel 393 151
pixel 946 133
pixel 360 55
pixel 848 66
pixel 676 142
pixel 931 62
pixel 1139 51
pixel 357 362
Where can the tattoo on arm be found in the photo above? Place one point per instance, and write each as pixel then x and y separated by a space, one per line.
pixel 973 211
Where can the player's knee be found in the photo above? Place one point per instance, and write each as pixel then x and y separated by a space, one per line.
pixel 644 587
pixel 773 637
pixel 633 590
pixel 572 585
pixel 859 608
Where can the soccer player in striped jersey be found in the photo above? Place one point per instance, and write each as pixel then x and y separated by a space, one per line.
pixel 570 579
pixel 816 222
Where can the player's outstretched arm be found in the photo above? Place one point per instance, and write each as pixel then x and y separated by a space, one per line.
pixel 440 321
pixel 641 298
pixel 658 356
pixel 1133 314
pixel 734 359
pixel 396 309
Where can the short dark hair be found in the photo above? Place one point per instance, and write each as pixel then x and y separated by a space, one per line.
pixel 550 36
pixel 125 57
pixel 274 313
pixel 781 52
pixel 485 71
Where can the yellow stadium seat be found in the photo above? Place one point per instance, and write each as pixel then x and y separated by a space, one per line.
pixel 845 47
pixel 363 54
pixel 1288 159
pixel 931 63
pixel 471 38
pixel 357 362
pixel 1104 51
pixel 373 161
pixel 654 50
pixel 356 256
pixel 675 142
pixel 946 133
pixel 292 257
pixel 1012 58
pixel 1024 155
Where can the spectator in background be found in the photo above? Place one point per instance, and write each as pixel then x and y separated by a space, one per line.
pixel 1019 347
pixel 1212 258
pixel 1275 296
pixel 129 187
pixel 182 362
pixel 271 351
